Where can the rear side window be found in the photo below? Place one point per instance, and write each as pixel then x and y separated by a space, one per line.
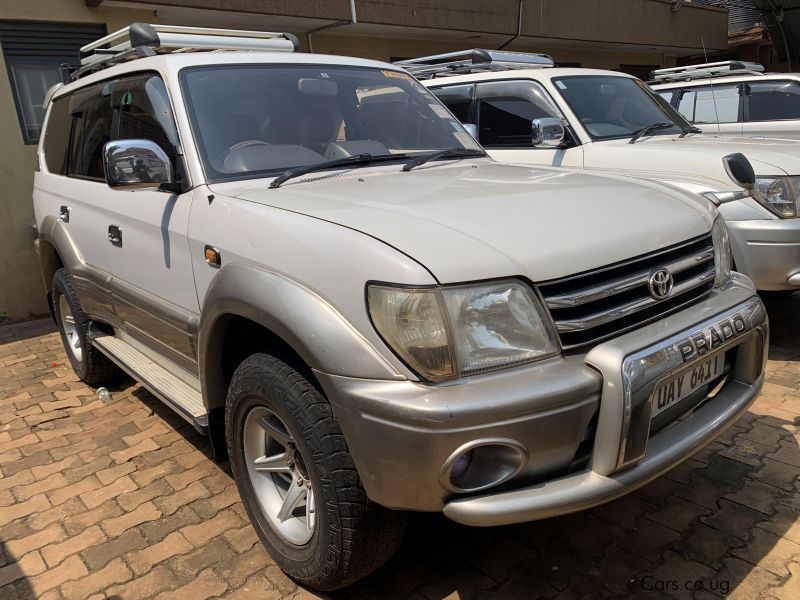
pixel 92 120
pixel 711 104
pixel 56 137
pixel 506 109
pixel 773 101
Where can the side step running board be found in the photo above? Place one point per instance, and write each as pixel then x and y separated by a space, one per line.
pixel 174 392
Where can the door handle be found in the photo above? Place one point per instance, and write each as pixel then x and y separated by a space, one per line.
pixel 63 213
pixel 115 235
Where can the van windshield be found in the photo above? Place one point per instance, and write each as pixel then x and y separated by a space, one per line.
pixel 259 120
pixel 612 107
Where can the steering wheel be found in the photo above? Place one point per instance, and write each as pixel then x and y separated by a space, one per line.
pixel 219 162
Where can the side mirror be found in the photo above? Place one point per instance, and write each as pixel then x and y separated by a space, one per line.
pixel 740 170
pixel 136 165
pixel 547 132
pixel 472 129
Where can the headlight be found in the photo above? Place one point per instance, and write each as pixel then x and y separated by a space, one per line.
pixel 779 194
pixel 447 332
pixel 722 252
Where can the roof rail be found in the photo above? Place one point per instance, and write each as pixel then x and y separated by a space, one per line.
pixel 471 61
pixel 142 39
pixel 706 70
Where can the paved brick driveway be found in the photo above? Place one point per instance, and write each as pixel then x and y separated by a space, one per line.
pixel 120 499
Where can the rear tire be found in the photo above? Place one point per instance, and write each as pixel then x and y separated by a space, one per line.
pixel 90 365
pixel 346 536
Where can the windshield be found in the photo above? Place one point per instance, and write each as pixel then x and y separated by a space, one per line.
pixel 612 107
pixel 259 120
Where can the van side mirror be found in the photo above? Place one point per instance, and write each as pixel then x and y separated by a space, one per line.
pixel 472 129
pixel 547 132
pixel 740 170
pixel 136 165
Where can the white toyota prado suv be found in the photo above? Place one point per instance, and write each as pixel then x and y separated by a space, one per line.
pixel 314 263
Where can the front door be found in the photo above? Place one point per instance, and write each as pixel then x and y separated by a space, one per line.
pixel 146 231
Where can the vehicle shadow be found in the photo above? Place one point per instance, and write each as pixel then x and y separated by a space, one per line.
pixel 711 525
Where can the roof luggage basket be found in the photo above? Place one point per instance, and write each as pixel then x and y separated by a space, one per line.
pixel 142 39
pixel 704 71
pixel 472 61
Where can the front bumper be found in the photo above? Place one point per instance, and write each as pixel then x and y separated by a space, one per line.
pixel 768 252
pixel 401 433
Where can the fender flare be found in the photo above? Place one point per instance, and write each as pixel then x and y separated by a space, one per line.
pixel 313 328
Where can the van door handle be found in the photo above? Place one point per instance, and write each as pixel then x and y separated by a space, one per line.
pixel 63 213
pixel 115 235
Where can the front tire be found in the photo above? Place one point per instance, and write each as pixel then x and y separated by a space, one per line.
pixel 298 481
pixel 90 365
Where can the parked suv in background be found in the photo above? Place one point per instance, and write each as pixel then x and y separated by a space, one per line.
pixel 313 262
pixel 733 98
pixel 524 111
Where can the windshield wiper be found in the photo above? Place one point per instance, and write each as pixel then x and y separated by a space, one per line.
pixel 649 129
pixel 690 130
pixel 358 159
pixel 448 153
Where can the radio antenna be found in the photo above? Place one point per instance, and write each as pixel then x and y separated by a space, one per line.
pixel 711 85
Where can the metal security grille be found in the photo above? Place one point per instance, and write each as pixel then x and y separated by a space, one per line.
pixel 605 302
pixel 34 52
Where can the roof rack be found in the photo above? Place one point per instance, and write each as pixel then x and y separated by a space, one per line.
pixel 704 71
pixel 471 61
pixel 142 39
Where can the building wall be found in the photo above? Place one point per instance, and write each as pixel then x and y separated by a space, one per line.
pixel 21 290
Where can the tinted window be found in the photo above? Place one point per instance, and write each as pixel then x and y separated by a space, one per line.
pixel 615 106
pixel 458 98
pixel 711 104
pixel 506 109
pixel 144 112
pixel 258 120
pixel 56 137
pixel 91 129
pixel 774 100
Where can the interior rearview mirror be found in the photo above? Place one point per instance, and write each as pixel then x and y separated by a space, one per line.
pixel 547 132
pixel 136 165
pixel 310 86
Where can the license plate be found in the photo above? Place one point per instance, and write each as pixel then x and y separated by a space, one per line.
pixel 682 386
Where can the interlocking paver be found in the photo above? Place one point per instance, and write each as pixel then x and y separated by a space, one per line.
pixel 121 498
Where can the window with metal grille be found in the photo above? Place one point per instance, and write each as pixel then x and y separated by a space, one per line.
pixel 34 53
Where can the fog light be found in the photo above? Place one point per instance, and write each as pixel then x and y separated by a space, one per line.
pixel 460 464
pixel 481 464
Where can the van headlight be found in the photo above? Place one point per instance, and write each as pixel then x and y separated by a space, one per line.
pixel 453 331
pixel 779 194
pixel 722 252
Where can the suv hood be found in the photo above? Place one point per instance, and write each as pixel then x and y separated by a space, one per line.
pixel 478 219
pixel 696 158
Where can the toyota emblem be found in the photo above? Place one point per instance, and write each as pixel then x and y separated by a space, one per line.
pixel 660 284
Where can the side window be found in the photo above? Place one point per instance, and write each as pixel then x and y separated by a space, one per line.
pixel 506 109
pixel 56 136
pixel 143 111
pixel 667 95
pixel 90 109
pixel 711 104
pixel 459 99
pixel 773 100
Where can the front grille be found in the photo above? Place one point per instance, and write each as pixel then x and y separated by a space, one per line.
pixel 599 304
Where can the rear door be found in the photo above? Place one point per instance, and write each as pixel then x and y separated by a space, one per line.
pixel 772 108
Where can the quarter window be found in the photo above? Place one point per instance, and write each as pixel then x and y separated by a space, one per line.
pixel 56 137
pixel 506 109
pixel 774 100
